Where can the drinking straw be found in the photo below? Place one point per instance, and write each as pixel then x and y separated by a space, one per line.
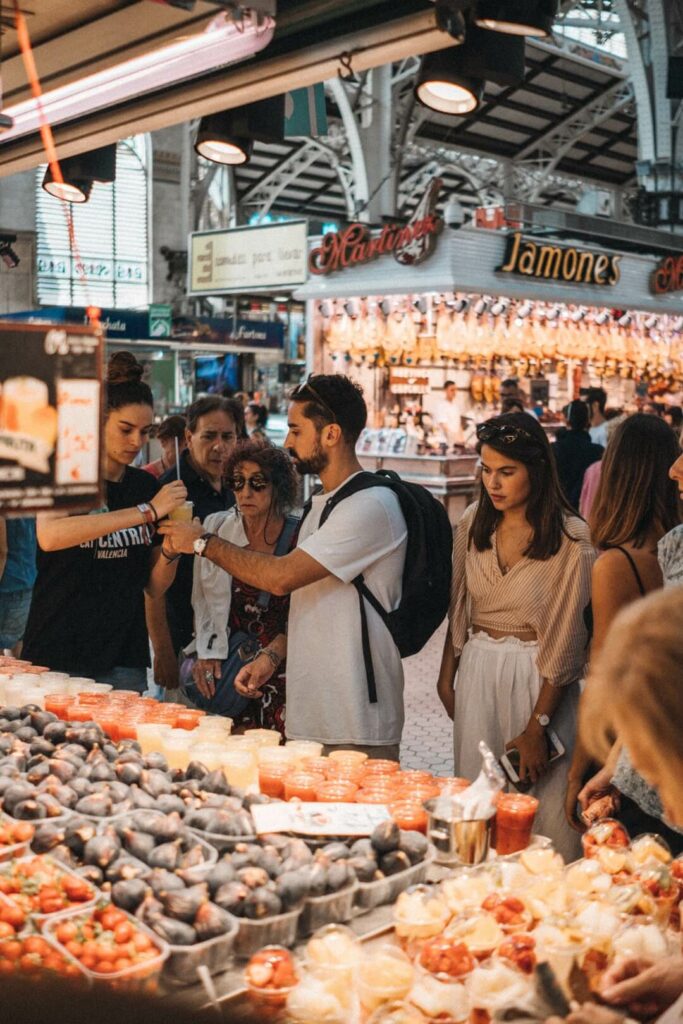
pixel 177 459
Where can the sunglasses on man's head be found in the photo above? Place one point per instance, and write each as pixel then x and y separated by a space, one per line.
pixel 257 482
pixel 299 393
pixel 504 432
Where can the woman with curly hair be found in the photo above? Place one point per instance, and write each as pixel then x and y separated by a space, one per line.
pixel 235 622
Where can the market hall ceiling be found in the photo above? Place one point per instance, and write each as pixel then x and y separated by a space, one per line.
pixel 74 38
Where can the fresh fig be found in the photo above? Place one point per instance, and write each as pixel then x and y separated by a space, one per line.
pixel 97 804
pixel 128 772
pixel 102 772
pixel 41 719
pixel 415 845
pixel 386 837
pixel 12 713
pixel 81 787
pixel 339 875
pixel 165 856
pixel 165 827
pixel 26 734
pixel 38 773
pixel 102 851
pixel 161 880
pixel 176 933
pixel 263 902
pixel 42 746
pixel 29 810
pixel 53 808
pixel 220 874
pixel 62 770
pixel 77 833
pixel 317 880
pixel 232 896
pixel 292 888
pixel 393 862
pixel 183 904
pixel 46 837
pixel 196 770
pixel 211 921
pixel 336 851
pixel 124 869
pixel 138 844
pixel 155 782
pixel 128 894
pixel 144 801
pixel 156 761
pixel 216 782
pixel 253 877
pixel 55 732
pixel 92 873
pixel 16 794
pixel 365 868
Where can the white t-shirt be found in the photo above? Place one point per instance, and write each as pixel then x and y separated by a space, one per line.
pixel 448 415
pixel 599 434
pixel 327 689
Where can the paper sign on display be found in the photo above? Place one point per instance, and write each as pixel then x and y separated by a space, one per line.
pixel 311 819
pixel 50 418
pixel 248 259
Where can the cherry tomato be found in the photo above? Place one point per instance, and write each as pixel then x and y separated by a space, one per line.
pixel 6 930
pixel 6 967
pixel 123 932
pixel 66 932
pixel 36 944
pixel 123 963
pixel 12 950
pixel 13 915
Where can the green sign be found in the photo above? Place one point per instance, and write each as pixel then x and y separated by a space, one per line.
pixel 159 320
pixel 305 112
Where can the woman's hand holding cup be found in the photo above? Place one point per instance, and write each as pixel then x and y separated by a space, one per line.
pixel 170 497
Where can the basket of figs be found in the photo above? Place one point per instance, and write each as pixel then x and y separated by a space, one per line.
pixel 94 851
pixel 162 841
pixel 387 863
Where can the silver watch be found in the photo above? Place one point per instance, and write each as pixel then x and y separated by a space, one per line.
pixel 543 720
pixel 199 545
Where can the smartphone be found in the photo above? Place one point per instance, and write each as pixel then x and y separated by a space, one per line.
pixel 510 761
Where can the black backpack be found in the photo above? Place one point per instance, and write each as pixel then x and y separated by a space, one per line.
pixel 426 588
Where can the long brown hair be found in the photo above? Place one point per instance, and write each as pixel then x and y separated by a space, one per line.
pixel 635 491
pixel 546 507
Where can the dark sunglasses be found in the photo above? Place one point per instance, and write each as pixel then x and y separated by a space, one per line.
pixel 298 394
pixel 257 483
pixel 503 432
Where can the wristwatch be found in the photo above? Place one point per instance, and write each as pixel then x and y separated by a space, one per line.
pixel 543 720
pixel 200 543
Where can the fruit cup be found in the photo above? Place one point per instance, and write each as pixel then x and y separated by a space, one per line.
pixel 515 813
pixel 302 785
pixel 336 791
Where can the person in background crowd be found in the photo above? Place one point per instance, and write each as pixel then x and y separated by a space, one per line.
pixel 213 426
pixel 591 478
pixel 255 420
pixel 596 400
pixel 635 688
pixel 636 505
pixel 448 414
pixel 516 638
pixel 574 451
pixel 670 547
pixel 243 397
pixel 511 388
pixel 168 430
pixel 512 405
pixel 87 611
pixel 265 487
pixel 673 415
pixel 17 576
pixel 327 687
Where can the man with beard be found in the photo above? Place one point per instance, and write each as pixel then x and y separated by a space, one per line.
pixel 327 688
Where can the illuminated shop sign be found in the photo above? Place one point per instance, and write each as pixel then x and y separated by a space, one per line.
pixel 409 244
pixel 559 263
pixel 667 276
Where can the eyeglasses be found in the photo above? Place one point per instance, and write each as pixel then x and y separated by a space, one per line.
pixel 257 482
pixel 297 395
pixel 503 432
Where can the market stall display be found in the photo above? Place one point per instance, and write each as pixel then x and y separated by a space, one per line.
pixel 162 873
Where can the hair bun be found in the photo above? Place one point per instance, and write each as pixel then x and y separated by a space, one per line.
pixel 123 368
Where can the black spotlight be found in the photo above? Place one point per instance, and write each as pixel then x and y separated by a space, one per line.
pixel 228 137
pixel 444 85
pixel 517 17
pixel 80 172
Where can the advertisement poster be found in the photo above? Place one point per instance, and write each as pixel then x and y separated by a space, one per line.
pixel 50 418
pixel 248 259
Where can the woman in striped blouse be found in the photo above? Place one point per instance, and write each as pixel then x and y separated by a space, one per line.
pixel 517 639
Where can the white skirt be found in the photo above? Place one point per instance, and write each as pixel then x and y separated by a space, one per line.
pixel 496 689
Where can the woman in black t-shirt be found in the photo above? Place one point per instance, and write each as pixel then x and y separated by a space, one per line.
pixel 87 614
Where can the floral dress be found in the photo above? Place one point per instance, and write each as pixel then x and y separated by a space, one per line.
pixel 246 616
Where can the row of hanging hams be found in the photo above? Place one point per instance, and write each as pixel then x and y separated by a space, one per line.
pixel 475 332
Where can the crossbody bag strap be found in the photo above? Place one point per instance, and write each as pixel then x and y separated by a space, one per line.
pixel 283 545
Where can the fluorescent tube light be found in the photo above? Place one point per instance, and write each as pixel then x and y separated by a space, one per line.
pixel 223 42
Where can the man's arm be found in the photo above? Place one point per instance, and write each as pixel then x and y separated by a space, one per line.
pixel 276 575
pixel 165 664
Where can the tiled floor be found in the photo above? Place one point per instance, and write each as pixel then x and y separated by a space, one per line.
pixel 428 733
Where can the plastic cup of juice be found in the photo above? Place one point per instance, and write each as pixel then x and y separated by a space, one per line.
pixel 151 736
pixel 176 747
pixel 239 766
pixel 304 748
pixel 515 813
pixel 350 757
pixel 183 513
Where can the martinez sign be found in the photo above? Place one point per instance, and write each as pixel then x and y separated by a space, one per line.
pixel 559 263
pixel 410 244
pixel 667 276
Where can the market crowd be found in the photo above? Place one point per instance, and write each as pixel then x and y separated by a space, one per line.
pixel 560 597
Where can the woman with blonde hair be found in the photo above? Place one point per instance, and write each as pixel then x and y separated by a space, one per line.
pixel 635 689
pixel 636 505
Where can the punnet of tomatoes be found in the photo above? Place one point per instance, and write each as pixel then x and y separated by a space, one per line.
pixel 14 833
pixel 112 945
pixel 39 885
pixel 30 954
